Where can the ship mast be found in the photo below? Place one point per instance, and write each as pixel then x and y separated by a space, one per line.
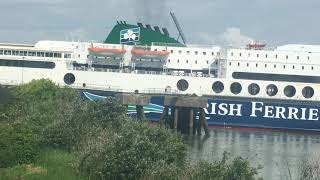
pixel 176 22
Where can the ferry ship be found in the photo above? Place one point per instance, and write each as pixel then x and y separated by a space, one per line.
pixel 251 87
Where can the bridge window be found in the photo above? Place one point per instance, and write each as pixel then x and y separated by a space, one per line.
pixel 1 52
pixel 307 92
pixel 171 51
pixel 253 89
pixel 289 91
pixel 68 56
pixel 196 52
pixel 204 53
pixel 217 87
pixel 15 53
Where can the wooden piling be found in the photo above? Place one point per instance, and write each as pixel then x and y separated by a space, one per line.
pixel 204 121
pixel 140 112
pixel 191 122
pixel 175 119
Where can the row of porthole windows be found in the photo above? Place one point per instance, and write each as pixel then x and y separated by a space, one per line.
pixel 274 65
pixel 33 53
pixel 271 89
pixel 266 56
pixel 195 62
pixel 196 52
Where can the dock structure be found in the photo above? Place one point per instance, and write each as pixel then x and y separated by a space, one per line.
pixel 185 114
pixel 139 100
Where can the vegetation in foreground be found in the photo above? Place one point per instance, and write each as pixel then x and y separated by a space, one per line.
pixel 45 130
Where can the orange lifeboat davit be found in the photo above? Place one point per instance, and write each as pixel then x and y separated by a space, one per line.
pixel 143 53
pixel 106 51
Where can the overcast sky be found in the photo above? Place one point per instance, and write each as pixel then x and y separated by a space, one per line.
pixel 203 21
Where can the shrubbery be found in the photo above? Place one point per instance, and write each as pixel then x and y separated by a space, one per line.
pixel 129 151
pixel 109 144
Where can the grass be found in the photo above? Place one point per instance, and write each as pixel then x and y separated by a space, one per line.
pixel 52 165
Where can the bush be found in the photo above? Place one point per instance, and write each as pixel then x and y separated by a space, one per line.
pixel 129 152
pixel 18 145
pixel 237 169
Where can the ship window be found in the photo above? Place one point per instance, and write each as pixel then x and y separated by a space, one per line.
pixel 47 54
pixel 266 55
pixel 307 92
pixel 182 85
pixel 69 78
pixel 204 53
pixel 55 55
pixel 240 54
pixel 212 53
pixel 293 67
pixel 187 61
pixel 284 66
pixel 196 52
pixel 275 66
pixel 217 87
pixel 1 52
pixel 16 53
pixel 249 54
pixel 27 64
pixel 207 62
pixel 302 67
pixel 311 67
pixel 253 89
pixel 276 56
pixel 216 62
pixel 68 56
pixel 265 65
pixel 256 64
pixel 155 49
pixel 289 91
pixel 229 63
pixel 178 60
pixel 308 58
pixel 287 57
pixel 298 57
pixel 188 52
pixel 231 53
pixel 179 51
pixel 235 88
pixel 7 52
pixel 196 62
pixel 171 51
pixel 168 60
pixel 271 90
pixel 247 64
pixel 238 64
pixel 218 53
pixel 257 55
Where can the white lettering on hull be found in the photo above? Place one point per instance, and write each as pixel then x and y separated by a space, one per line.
pixel 260 110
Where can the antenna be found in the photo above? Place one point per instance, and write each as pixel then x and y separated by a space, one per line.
pixel 175 20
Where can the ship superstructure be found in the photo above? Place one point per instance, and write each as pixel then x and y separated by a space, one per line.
pixel 247 87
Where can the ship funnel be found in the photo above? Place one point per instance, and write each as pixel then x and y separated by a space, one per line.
pixel 157 29
pixel 140 25
pixel 165 31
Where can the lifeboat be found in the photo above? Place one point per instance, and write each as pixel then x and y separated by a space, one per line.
pixel 255 46
pixel 106 51
pixel 143 53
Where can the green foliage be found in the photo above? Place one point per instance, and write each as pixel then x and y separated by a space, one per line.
pixel 17 145
pixel 237 169
pixel 127 153
pixel 51 165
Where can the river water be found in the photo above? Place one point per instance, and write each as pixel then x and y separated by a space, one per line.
pixel 277 152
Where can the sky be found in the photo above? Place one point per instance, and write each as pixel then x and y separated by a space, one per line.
pixel 228 22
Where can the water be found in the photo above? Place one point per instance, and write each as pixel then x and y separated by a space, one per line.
pixel 275 151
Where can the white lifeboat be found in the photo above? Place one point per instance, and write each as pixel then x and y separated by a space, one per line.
pixel 106 51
